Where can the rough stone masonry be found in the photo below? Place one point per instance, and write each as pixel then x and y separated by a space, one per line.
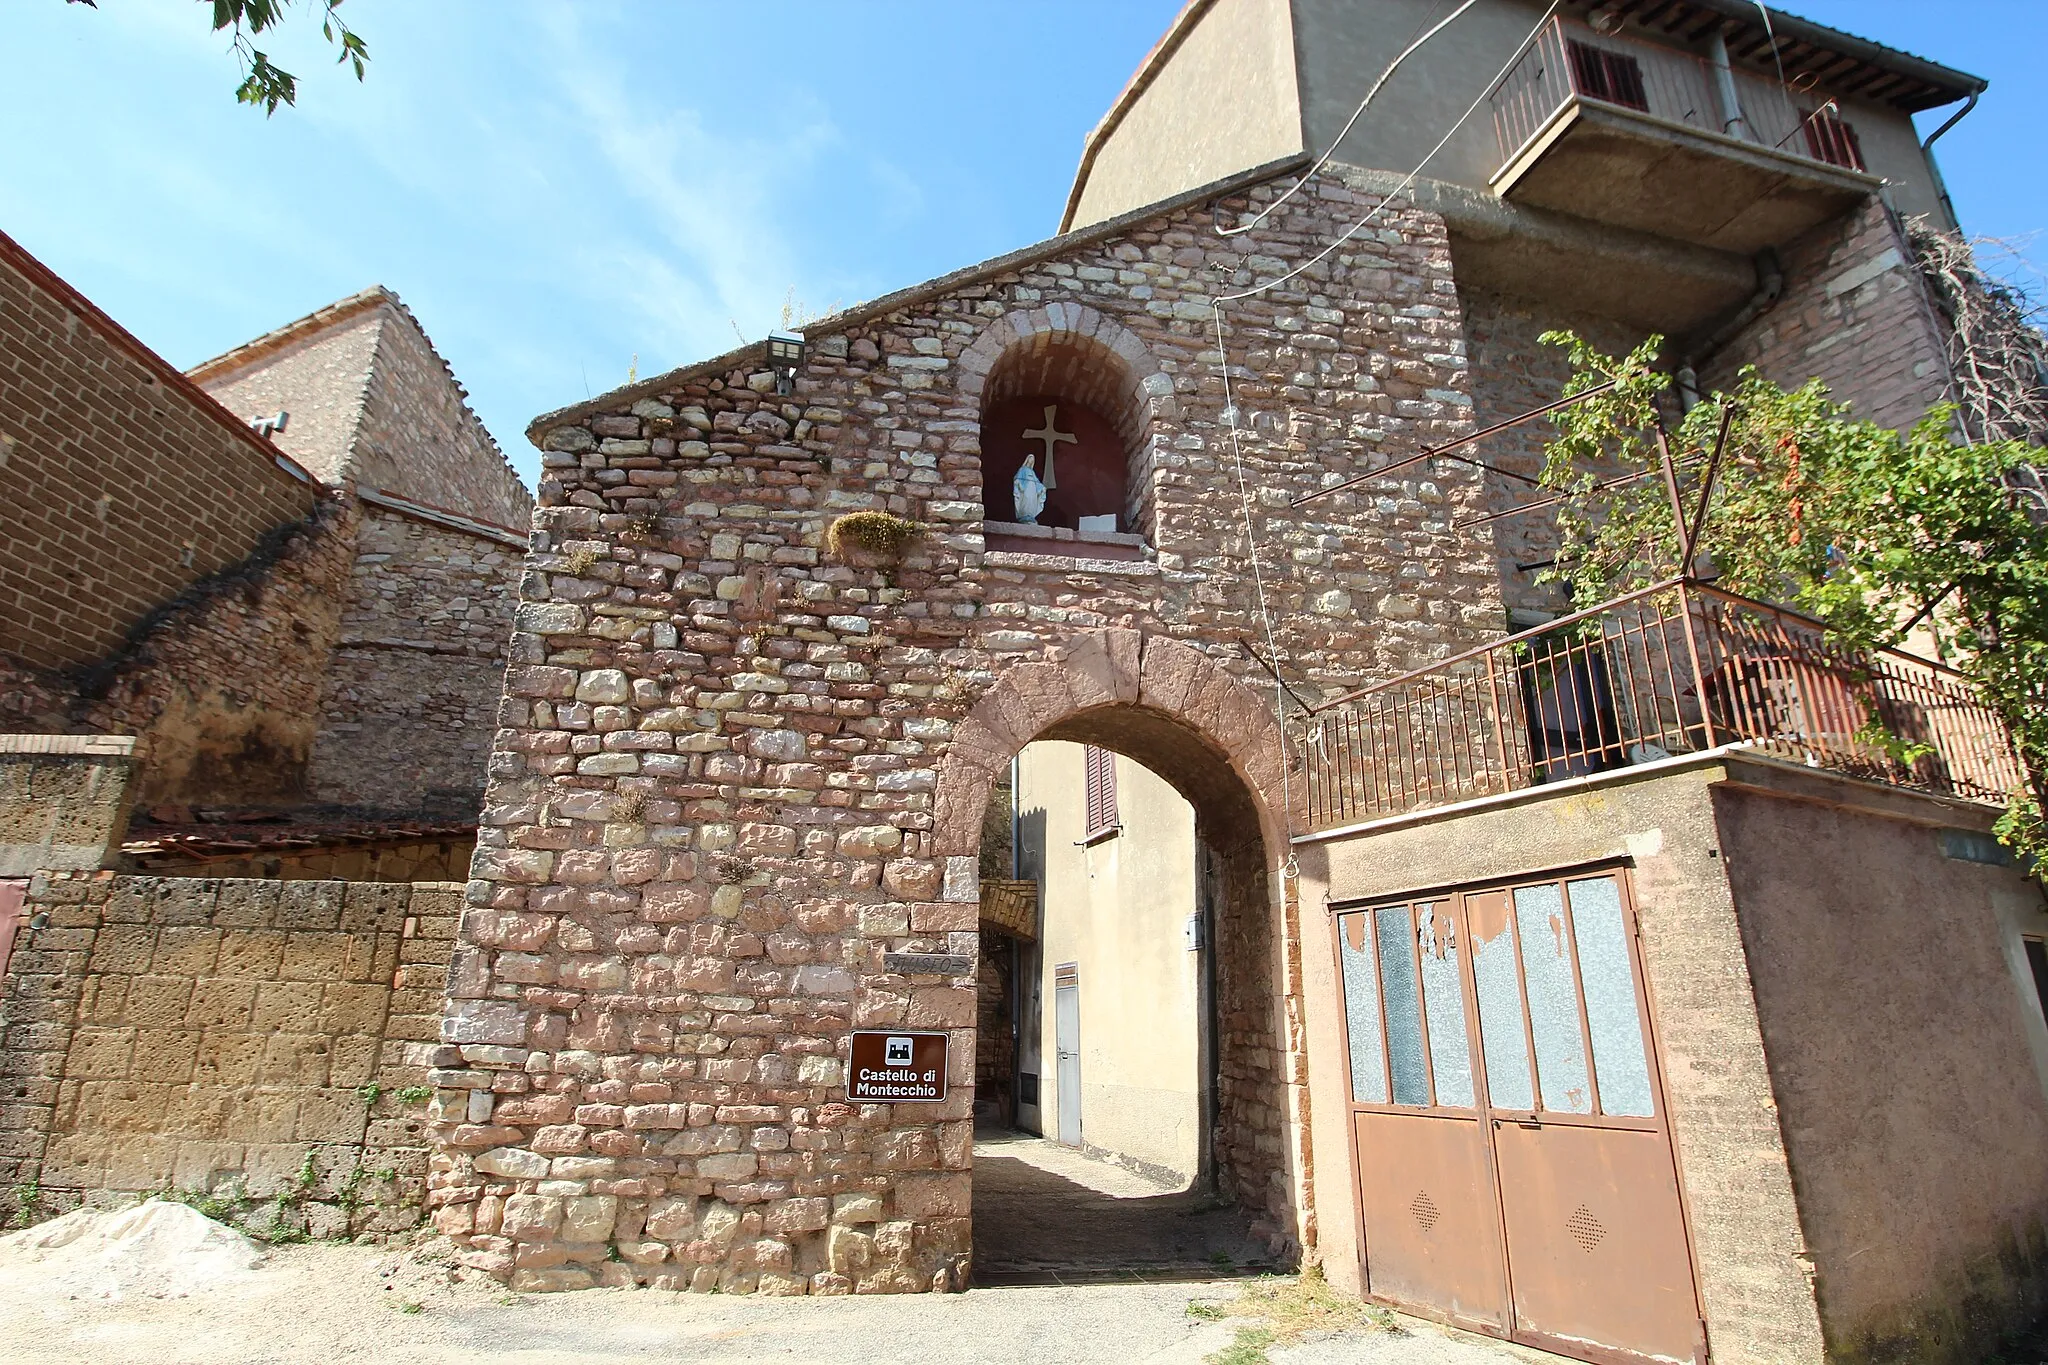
pixel 736 776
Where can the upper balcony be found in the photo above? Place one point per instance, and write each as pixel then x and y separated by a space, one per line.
pixel 1632 134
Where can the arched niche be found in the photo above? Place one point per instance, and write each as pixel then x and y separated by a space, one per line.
pixel 1074 383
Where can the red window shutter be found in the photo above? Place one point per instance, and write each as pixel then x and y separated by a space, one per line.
pixel 1602 75
pixel 1099 766
pixel 1829 138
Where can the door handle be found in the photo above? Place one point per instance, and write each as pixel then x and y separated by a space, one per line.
pixel 1519 1123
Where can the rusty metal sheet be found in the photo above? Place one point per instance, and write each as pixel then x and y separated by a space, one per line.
pixel 1597 1238
pixel 1432 1225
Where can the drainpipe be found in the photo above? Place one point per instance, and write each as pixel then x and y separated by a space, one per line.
pixel 1732 122
pixel 1770 287
pixel 1934 167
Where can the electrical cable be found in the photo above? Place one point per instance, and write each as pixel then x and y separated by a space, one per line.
pixel 1230 414
pixel 1345 132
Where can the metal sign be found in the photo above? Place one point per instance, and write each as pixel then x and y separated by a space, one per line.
pixel 897 1066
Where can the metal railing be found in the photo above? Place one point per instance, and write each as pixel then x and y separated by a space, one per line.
pixel 1664 83
pixel 1672 669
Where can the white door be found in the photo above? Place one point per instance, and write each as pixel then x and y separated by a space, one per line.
pixel 1067 1038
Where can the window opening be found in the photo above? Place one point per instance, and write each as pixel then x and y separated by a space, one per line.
pixel 1100 803
pixel 1603 75
pixel 2037 959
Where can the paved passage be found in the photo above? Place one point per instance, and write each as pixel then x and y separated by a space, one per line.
pixel 348 1304
pixel 1045 1214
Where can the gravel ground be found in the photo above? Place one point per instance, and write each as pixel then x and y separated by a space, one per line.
pixel 348 1303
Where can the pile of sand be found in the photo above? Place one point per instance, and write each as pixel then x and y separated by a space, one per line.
pixel 158 1249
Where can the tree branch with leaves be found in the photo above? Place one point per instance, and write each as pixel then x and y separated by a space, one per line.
pixel 1872 531
pixel 263 81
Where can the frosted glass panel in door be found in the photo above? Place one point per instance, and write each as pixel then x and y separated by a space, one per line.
pixel 1601 932
pixel 1509 1084
pixel 1404 1006
pixel 1443 1003
pixel 1561 1071
pixel 1362 1009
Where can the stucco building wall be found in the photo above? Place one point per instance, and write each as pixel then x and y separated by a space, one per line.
pixel 1904 1038
pixel 1117 908
pixel 1166 137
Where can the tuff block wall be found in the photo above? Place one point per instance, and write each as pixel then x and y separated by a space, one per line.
pixel 409 698
pixel 125 485
pixel 736 779
pixel 64 800
pixel 224 1037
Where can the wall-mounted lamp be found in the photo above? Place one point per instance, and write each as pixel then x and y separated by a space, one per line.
pixel 785 354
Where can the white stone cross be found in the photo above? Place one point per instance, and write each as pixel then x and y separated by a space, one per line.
pixel 1052 436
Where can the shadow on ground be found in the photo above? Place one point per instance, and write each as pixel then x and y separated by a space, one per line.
pixel 1044 1214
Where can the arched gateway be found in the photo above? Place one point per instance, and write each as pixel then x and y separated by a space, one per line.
pixel 773 648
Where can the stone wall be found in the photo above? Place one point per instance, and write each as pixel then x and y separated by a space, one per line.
pixel 1512 372
pixel 224 1037
pixel 419 439
pixel 64 801
pixel 223 683
pixel 410 696
pixel 120 503
pixel 735 778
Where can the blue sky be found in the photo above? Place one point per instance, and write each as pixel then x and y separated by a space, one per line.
pixel 558 188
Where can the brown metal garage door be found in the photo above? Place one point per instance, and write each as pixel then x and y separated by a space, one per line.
pixel 1508 1137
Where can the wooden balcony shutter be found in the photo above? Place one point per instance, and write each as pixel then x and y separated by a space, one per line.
pixel 1610 76
pixel 1100 767
pixel 1829 138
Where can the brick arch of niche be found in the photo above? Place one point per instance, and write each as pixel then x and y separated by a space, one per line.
pixel 1213 738
pixel 1076 353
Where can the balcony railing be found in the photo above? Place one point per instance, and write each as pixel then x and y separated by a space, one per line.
pixel 1569 59
pixel 1673 669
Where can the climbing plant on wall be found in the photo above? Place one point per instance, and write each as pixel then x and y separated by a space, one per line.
pixel 1875 532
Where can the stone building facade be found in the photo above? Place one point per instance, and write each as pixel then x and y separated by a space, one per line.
pixel 311 617
pixel 739 790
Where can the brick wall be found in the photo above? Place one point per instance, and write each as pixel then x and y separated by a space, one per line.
pixel 216 1035
pixel 1853 314
pixel 372 403
pixel 410 697
pixel 735 776
pixel 123 485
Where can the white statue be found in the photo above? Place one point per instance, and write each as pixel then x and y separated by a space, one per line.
pixel 1028 491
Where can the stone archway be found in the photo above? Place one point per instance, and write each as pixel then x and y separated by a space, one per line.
pixel 1187 719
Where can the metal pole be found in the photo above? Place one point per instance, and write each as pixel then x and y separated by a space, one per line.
pixel 1433 451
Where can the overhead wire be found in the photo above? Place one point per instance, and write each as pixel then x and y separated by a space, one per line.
pixel 1345 132
pixel 1230 412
